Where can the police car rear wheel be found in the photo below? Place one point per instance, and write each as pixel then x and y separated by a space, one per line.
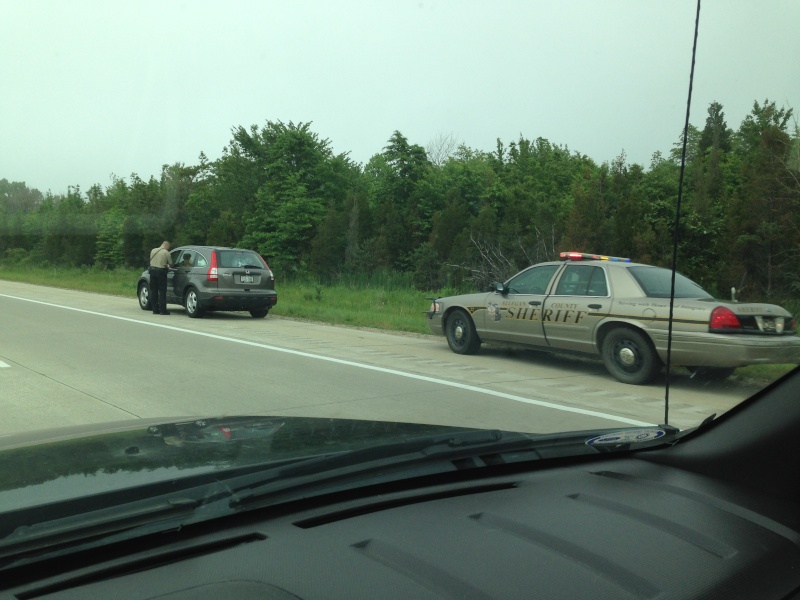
pixel 461 335
pixel 629 356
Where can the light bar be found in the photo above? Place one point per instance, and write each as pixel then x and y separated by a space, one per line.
pixel 585 256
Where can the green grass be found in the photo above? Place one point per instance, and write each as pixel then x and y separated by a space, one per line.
pixel 117 282
pixel 763 372
pixel 359 304
pixel 398 310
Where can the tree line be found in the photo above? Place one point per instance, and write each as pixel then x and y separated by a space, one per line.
pixel 446 215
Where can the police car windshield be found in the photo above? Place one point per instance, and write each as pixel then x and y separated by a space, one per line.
pixel 656 283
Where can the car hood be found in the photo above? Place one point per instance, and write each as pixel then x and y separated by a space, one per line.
pixel 54 466
pixel 475 298
pixel 74 462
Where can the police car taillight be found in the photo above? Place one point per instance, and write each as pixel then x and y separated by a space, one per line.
pixel 723 318
pixel 212 270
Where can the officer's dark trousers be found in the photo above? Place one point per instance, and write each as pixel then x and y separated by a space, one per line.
pixel 158 290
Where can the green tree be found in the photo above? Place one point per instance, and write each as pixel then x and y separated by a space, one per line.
pixel 588 227
pixel 109 239
pixel 402 210
pixel 17 203
pixel 300 179
pixel 762 223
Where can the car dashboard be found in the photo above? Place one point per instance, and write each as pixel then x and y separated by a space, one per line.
pixel 596 527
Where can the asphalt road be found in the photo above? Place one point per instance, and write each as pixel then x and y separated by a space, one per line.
pixel 70 358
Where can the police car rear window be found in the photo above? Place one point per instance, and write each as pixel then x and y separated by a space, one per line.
pixel 656 283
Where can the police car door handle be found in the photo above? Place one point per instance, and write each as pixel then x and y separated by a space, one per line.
pixel 535 302
pixel 595 306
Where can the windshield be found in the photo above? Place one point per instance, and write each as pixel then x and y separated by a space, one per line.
pixel 340 190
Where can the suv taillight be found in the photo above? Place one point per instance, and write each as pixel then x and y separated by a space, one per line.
pixel 266 266
pixel 212 270
pixel 723 318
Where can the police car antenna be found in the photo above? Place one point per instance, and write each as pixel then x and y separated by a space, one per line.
pixel 678 214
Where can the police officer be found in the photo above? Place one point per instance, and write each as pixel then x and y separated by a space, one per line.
pixel 159 263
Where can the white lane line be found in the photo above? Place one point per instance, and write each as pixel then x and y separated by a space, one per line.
pixel 340 361
pixel 4 365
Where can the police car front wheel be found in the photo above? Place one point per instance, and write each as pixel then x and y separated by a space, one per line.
pixel 461 335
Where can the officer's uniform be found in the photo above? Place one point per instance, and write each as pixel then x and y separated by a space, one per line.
pixel 159 262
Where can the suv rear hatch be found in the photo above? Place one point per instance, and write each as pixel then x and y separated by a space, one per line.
pixel 242 271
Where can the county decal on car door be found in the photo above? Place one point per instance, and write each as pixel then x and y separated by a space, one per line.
pixel 515 315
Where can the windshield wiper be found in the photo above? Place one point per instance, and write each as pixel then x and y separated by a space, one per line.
pixel 418 457
pixel 50 536
pixel 322 470
pixel 210 500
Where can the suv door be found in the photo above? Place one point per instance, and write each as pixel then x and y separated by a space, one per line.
pixel 175 255
pixel 185 261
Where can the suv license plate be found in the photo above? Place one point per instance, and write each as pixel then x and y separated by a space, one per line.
pixel 247 279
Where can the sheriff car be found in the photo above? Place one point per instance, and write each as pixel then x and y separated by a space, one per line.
pixel 618 310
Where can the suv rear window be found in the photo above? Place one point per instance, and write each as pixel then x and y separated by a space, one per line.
pixel 231 259
pixel 656 283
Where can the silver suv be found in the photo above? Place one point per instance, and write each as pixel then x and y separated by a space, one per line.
pixel 208 278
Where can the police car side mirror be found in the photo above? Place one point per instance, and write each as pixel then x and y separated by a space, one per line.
pixel 500 288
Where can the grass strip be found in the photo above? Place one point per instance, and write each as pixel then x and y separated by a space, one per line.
pixel 368 306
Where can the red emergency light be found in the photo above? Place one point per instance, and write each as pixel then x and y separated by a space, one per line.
pixel 585 256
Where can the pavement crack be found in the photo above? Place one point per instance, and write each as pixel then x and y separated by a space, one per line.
pixel 79 391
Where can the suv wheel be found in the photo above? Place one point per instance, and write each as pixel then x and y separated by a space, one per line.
pixel 144 296
pixel 259 313
pixel 192 303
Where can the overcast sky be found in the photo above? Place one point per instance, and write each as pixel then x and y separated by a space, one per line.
pixel 91 88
